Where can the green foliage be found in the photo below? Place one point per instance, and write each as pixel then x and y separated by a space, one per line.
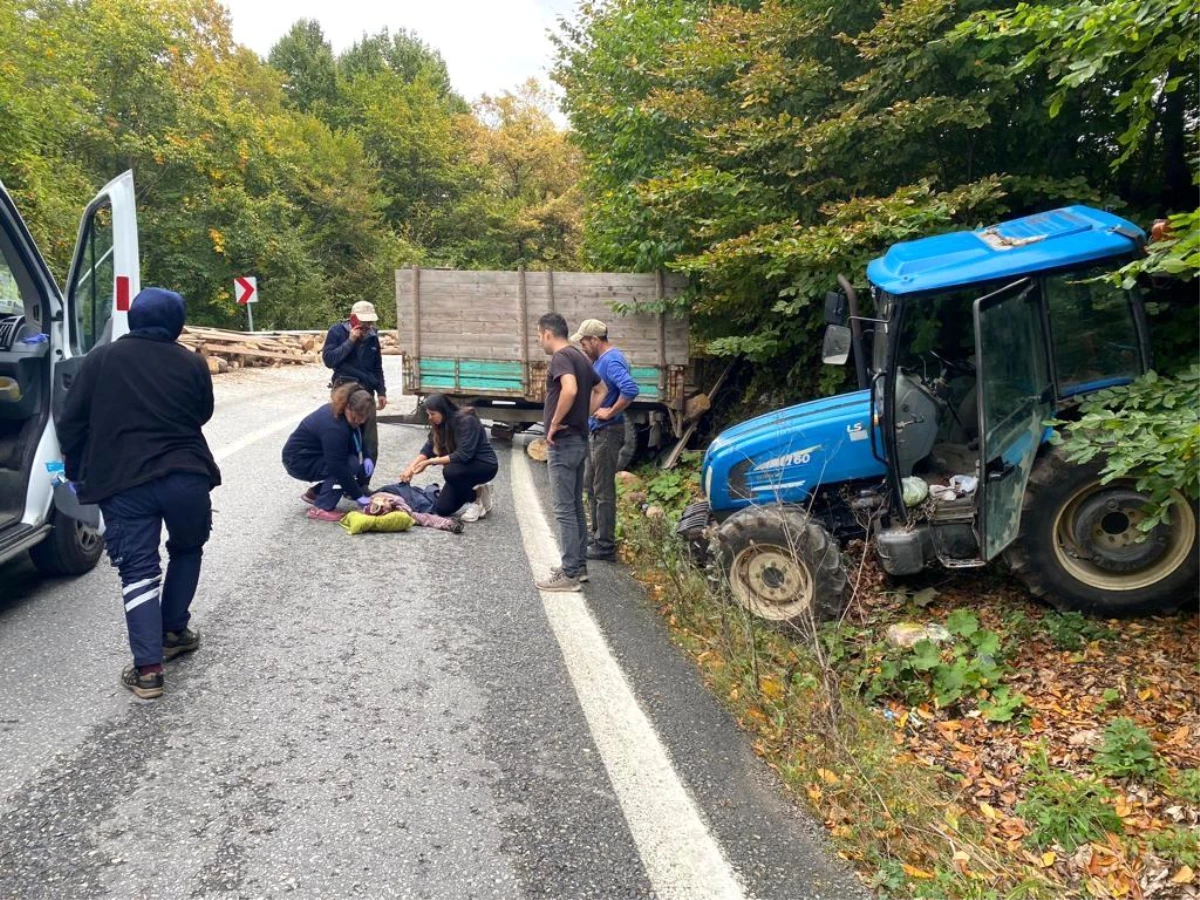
pixel 1110 697
pixel 673 489
pixel 1128 752
pixel 1003 705
pixel 1177 844
pixel 1072 630
pixel 765 148
pixel 318 174
pixel 1136 64
pixel 1148 431
pixel 1066 810
pixel 1185 785
pixel 972 665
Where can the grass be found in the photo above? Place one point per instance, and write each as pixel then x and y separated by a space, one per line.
pixel 896 751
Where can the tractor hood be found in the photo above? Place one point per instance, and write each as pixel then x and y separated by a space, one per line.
pixel 784 455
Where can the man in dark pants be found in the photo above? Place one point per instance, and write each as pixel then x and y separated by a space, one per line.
pixel 569 383
pixel 352 350
pixel 132 442
pixel 615 389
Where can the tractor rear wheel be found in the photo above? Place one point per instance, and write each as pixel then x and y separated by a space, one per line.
pixel 1081 549
pixel 783 565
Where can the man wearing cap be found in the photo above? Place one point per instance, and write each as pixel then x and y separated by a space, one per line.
pixel 352 350
pixel 615 389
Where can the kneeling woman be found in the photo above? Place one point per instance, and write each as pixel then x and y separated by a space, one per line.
pixel 327 447
pixel 459 443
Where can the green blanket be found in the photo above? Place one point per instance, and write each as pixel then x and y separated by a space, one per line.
pixel 357 522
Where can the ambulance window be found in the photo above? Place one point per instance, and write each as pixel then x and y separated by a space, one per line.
pixel 92 290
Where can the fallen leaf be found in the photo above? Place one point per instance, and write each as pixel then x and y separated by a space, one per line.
pixel 1048 859
pixel 1183 876
pixel 989 812
pixel 828 777
pixel 914 872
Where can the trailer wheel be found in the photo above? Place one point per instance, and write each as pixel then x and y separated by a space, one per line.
pixel 1080 547
pixel 783 565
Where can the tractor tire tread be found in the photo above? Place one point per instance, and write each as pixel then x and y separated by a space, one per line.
pixel 1032 558
pixel 828 568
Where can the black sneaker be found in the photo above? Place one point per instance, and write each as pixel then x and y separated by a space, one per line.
pixel 144 687
pixel 175 643
pixel 596 553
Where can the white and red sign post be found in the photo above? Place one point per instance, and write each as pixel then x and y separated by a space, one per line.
pixel 245 289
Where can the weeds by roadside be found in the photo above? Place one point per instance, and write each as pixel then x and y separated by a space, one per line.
pixel 1024 754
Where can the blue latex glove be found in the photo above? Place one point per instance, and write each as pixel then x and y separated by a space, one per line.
pixel 72 487
pixel 364 501
pixel 369 466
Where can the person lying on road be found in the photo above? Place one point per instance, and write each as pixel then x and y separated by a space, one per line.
pixel 327 447
pixel 459 443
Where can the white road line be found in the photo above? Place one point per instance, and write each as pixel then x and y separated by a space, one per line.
pixel 683 860
pixel 254 437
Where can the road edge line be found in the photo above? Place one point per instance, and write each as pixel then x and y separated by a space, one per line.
pixel 682 858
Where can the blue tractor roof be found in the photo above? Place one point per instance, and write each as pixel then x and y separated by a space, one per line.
pixel 1060 238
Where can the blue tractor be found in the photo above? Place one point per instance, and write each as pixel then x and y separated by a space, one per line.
pixel 943 456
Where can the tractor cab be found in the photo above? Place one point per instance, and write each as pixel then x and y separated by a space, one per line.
pixel 975 340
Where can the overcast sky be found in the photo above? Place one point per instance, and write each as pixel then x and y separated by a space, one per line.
pixel 489 45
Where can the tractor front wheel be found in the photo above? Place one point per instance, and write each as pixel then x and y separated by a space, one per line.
pixel 783 565
pixel 1081 549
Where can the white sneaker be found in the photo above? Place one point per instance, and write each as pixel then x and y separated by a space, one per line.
pixel 483 499
pixel 472 512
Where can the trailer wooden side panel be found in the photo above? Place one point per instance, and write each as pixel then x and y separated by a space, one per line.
pixel 462 331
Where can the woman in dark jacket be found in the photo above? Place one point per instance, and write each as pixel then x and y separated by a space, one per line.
pixel 458 443
pixel 328 447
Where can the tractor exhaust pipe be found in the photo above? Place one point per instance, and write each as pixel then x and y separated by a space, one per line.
pixel 860 353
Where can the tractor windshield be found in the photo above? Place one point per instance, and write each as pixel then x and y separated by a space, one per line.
pixel 1094 335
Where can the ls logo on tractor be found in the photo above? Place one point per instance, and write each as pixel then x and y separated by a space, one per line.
pixel 799 458
pixel 857 432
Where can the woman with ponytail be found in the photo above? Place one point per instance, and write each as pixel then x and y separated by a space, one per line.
pixel 327 447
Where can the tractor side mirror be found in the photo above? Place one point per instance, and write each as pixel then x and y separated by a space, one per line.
pixel 837 309
pixel 836 349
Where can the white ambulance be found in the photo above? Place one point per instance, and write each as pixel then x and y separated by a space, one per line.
pixel 45 333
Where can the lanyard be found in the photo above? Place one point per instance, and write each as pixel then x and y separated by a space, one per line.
pixel 358 443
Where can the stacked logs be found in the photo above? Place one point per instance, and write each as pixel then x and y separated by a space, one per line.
pixel 231 350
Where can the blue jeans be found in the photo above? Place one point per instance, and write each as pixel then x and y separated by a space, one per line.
pixel 567 460
pixel 133 522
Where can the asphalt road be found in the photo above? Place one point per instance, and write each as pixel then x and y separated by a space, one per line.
pixel 377 716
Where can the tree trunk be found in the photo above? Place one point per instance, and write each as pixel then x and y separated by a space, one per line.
pixel 1178 191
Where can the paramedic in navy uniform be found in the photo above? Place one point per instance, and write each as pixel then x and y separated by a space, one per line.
pixel 132 442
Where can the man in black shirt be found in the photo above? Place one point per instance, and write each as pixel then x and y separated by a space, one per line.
pixel 569 383
pixel 352 350
pixel 132 442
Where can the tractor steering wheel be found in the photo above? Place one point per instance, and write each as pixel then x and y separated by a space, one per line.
pixel 954 366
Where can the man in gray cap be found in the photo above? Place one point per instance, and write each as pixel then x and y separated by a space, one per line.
pixel 352 350
pixel 614 391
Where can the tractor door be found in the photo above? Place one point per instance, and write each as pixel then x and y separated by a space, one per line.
pixel 1015 399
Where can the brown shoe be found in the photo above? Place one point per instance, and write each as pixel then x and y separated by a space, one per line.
pixel 177 643
pixel 144 687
